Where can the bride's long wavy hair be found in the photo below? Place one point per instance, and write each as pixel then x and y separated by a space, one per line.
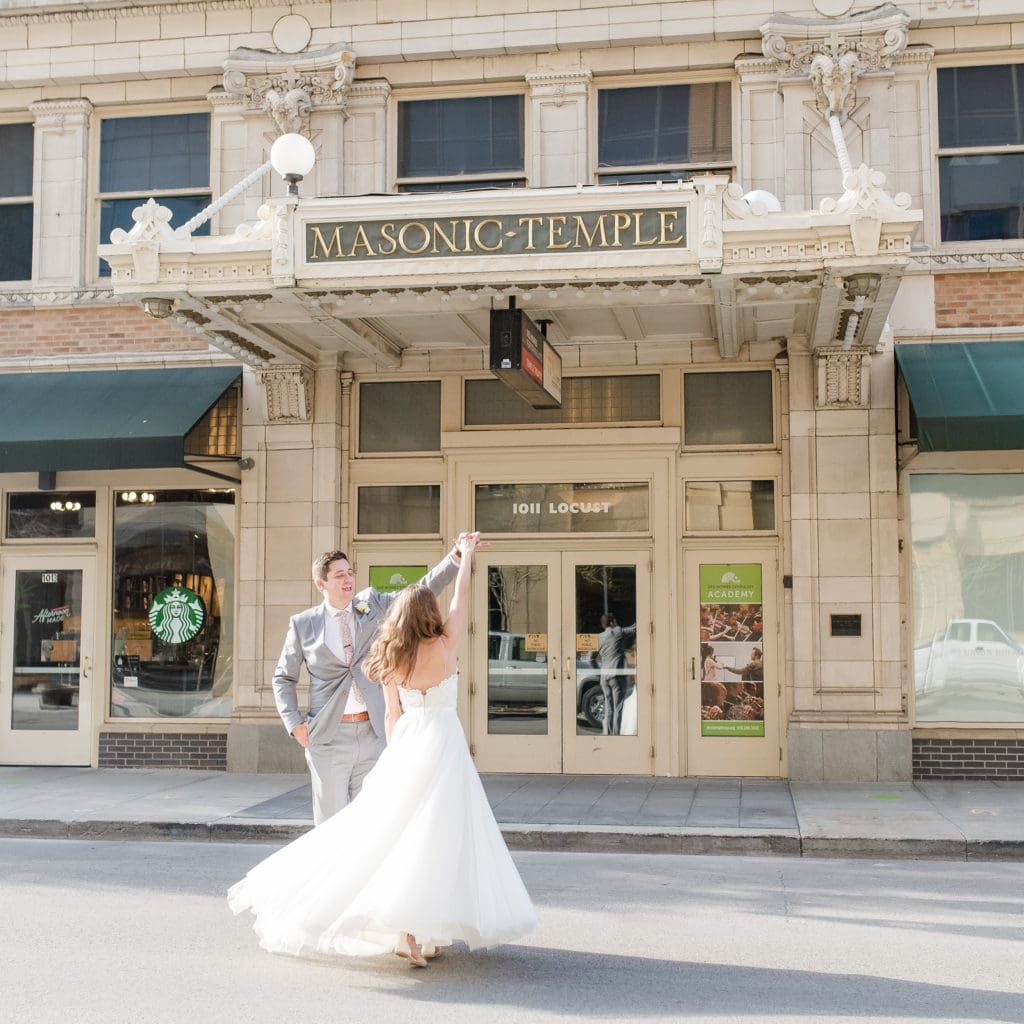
pixel 413 617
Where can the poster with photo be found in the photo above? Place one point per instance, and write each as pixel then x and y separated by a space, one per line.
pixel 731 650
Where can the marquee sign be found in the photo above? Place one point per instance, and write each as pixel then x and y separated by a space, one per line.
pixel 501 234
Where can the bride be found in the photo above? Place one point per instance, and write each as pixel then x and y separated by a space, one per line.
pixel 416 861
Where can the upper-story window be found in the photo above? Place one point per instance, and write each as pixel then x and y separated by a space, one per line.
pixel 470 142
pixel 663 132
pixel 16 202
pixel 981 152
pixel 166 157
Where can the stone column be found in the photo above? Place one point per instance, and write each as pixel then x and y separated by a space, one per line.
pixel 559 119
pixel 60 188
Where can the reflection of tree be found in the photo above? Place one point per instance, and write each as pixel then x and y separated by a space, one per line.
pixel 615 583
pixel 508 586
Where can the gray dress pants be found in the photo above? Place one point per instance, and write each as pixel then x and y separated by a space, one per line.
pixel 338 765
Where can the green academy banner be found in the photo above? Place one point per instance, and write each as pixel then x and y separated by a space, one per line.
pixel 389 579
pixel 731 650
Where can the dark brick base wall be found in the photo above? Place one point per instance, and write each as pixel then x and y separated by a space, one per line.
pixel 164 750
pixel 968 759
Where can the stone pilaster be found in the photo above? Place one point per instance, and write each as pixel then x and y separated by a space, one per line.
pixel 558 107
pixel 60 188
pixel 366 133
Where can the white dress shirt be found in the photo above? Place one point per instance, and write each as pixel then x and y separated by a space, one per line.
pixel 354 705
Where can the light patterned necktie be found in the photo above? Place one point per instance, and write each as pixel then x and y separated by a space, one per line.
pixel 346 643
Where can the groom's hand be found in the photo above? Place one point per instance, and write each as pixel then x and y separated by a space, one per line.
pixel 301 734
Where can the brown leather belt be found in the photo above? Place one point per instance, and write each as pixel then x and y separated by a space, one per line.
pixel 363 716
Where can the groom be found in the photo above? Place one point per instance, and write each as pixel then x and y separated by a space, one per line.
pixel 343 734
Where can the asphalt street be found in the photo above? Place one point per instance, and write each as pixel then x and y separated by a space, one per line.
pixel 110 932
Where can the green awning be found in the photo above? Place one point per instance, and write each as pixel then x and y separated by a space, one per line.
pixel 966 397
pixel 126 419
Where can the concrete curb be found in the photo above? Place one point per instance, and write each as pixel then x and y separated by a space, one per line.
pixel 551 838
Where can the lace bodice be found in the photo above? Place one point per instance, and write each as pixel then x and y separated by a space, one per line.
pixel 443 695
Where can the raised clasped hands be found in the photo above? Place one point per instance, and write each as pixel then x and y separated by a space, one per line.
pixel 467 542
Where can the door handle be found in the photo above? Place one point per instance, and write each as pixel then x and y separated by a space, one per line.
pixel 86 667
pixel 568 667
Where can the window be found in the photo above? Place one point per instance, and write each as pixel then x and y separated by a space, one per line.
pixel 174 599
pixel 968 593
pixel 730 505
pixel 455 144
pixel 981 152
pixel 414 509
pixel 623 399
pixel 400 416
pixel 166 157
pixel 663 132
pixel 16 142
pixel 51 514
pixel 728 408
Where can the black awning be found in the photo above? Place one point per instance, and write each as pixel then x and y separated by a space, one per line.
pixel 966 397
pixel 125 419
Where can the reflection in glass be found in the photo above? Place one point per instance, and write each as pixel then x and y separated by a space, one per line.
pixel 51 514
pixel 173 623
pixel 606 692
pixel 968 574
pixel 517 650
pixel 47 655
pixel 724 505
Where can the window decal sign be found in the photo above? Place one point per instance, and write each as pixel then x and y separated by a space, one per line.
pixel 176 615
pixel 389 579
pixel 731 650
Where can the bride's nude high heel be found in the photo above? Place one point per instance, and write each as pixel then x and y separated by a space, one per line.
pixel 408 949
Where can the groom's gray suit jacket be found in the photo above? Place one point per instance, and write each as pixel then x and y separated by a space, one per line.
pixel 329 679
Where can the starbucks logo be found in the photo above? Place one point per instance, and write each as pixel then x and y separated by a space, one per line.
pixel 176 615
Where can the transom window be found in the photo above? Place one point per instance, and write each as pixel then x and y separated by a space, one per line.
pixel 728 408
pixel 463 143
pixel 981 152
pixel 663 132
pixel 16 202
pixel 166 157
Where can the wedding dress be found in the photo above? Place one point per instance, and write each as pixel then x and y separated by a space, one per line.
pixel 417 851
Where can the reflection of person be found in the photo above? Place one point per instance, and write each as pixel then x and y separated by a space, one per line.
pixel 343 733
pixel 612 644
pixel 418 854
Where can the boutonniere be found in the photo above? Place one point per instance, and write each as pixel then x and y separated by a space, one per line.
pixel 362 607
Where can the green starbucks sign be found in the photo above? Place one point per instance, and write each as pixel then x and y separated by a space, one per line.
pixel 176 615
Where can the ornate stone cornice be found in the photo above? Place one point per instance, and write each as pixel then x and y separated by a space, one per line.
pixel 55 115
pixel 289 86
pixel 372 89
pixel 835 52
pixel 102 12
pixel 59 297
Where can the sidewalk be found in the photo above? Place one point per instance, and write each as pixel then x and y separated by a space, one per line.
pixel 941 820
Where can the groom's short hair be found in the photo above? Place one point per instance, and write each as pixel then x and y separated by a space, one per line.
pixel 323 564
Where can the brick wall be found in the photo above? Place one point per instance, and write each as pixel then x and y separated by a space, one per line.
pixel 85 330
pixel 164 750
pixel 979 300
pixel 968 759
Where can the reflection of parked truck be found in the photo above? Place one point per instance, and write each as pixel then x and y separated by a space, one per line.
pixel 969 651
pixel 517 677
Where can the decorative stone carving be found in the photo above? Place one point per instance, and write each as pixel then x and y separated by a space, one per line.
pixel 559 87
pixel 289 393
pixel 60 115
pixel 152 224
pixel 843 379
pixel 288 87
pixel 835 52
pixel 868 202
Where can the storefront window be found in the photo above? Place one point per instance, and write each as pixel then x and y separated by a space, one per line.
pixel 728 408
pixel 414 509
pixel 173 619
pixel 400 416
pixel 51 515
pixel 968 584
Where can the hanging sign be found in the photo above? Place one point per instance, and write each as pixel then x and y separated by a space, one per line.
pixel 524 359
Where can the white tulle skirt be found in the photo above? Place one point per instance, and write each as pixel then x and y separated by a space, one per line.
pixel 417 851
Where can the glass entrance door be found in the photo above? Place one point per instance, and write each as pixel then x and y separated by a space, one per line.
pixel 561 663
pixel 731 685
pixel 46 660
